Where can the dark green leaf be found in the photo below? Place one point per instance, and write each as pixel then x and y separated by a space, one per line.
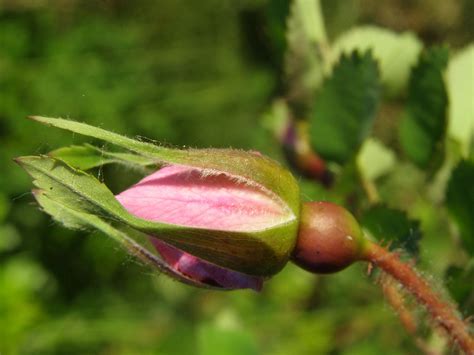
pixel 460 202
pixel 345 110
pixel 394 227
pixel 423 127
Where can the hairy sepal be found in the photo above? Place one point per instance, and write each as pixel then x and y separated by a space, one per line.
pixel 250 166
pixel 260 253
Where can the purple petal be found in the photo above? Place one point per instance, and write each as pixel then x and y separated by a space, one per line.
pixel 203 271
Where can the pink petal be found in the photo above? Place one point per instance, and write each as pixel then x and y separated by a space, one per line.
pixel 185 196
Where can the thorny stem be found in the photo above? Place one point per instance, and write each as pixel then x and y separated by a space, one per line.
pixel 392 294
pixel 443 313
pixel 395 297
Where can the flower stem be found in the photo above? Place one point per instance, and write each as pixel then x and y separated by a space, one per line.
pixel 443 313
pixel 395 298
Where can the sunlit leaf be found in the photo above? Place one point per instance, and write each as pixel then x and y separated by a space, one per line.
pixel 460 81
pixel 395 52
pixel 375 159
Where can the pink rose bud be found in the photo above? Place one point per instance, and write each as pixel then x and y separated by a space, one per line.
pixel 219 218
pixel 255 228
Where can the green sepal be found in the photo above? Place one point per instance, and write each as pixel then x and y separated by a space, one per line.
pixel 261 253
pixel 138 246
pixel 87 157
pixel 248 165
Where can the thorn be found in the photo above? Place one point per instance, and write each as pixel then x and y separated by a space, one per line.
pixel 370 268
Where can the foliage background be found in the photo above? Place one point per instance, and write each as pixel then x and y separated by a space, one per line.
pixel 200 75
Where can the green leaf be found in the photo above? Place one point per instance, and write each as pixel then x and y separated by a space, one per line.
pixel 306 36
pixel 459 282
pixel 394 227
pixel 85 157
pixel 395 52
pixel 460 82
pixel 346 107
pixel 460 202
pixel 423 127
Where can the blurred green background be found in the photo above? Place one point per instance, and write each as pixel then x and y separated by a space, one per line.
pixel 184 73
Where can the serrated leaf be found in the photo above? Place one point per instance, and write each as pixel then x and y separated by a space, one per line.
pixel 345 110
pixel 142 250
pixel 423 127
pixel 460 202
pixel 85 157
pixel 304 66
pixel 375 159
pixel 82 192
pixel 460 82
pixel 394 227
pixel 395 52
pixel 459 282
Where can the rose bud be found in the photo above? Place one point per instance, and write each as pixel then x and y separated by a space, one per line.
pixel 219 217
pixel 230 231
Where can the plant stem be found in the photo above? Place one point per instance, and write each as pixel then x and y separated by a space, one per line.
pixel 443 313
pixel 392 294
pixel 395 298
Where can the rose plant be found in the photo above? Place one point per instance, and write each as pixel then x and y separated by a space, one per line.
pixel 215 218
